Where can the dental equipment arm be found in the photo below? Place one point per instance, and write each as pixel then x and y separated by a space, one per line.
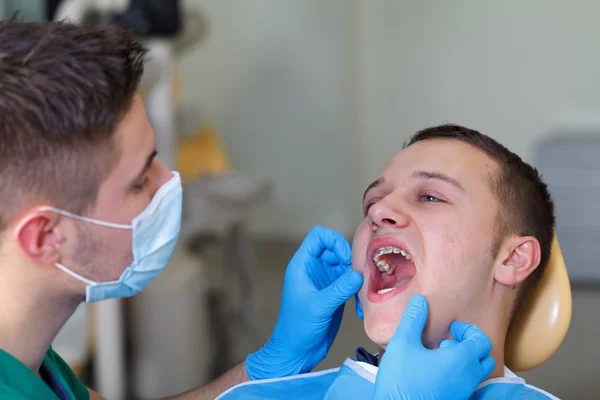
pixel 409 371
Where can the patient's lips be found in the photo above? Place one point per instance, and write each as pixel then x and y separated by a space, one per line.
pixel 391 268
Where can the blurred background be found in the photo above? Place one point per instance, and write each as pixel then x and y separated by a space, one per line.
pixel 278 113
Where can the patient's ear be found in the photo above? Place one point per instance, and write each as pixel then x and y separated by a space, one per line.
pixel 518 257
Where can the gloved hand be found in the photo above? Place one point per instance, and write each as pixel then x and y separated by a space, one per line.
pixel 317 283
pixel 409 371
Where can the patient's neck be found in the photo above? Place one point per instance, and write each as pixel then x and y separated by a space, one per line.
pixel 497 334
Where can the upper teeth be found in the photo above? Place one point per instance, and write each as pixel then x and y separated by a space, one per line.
pixel 389 250
pixel 382 265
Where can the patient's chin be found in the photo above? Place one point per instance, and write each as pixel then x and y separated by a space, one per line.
pixel 380 328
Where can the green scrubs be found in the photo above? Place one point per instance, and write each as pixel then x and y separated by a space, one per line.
pixel 59 382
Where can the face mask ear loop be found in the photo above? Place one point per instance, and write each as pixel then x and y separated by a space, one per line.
pixel 74 275
pixel 85 219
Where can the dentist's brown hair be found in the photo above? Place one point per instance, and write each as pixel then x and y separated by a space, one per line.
pixel 63 89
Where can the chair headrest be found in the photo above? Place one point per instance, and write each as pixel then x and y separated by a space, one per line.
pixel 544 321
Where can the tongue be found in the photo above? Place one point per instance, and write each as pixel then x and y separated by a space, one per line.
pixel 386 281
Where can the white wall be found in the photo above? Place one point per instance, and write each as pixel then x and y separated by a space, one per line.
pixel 511 69
pixel 319 94
pixel 276 78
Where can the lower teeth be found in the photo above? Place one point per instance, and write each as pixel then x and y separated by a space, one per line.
pixel 383 291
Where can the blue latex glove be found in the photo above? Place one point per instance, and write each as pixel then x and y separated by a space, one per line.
pixel 358 307
pixel 317 283
pixel 409 371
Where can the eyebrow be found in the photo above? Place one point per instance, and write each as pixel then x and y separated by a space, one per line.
pixel 146 167
pixel 425 175
pixel 373 185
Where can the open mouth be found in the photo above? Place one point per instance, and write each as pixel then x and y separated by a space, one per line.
pixel 392 270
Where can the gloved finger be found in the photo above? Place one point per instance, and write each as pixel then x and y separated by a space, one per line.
pixel 320 239
pixel 448 342
pixel 461 330
pixel 413 321
pixel 334 326
pixel 488 364
pixel 471 337
pixel 340 291
pixel 331 258
pixel 359 310
pixel 331 272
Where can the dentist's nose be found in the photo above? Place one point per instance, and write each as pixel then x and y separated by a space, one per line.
pixel 383 215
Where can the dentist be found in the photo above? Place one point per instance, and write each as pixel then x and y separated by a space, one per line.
pixel 87 213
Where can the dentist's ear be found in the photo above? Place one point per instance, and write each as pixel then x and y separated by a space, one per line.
pixel 38 236
pixel 518 257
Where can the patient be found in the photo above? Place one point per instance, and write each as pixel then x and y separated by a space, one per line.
pixel 458 218
pixel 455 217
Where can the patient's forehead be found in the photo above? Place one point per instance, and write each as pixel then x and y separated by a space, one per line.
pixel 461 161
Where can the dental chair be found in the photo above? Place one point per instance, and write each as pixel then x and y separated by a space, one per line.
pixel 543 323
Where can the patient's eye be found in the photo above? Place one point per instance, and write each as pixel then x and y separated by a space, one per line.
pixel 429 198
pixel 367 207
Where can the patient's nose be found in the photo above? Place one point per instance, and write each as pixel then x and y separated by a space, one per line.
pixel 382 215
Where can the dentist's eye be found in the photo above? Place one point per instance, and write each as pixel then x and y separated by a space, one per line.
pixel 142 185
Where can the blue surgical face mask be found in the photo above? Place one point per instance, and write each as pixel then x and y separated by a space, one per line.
pixel 154 231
